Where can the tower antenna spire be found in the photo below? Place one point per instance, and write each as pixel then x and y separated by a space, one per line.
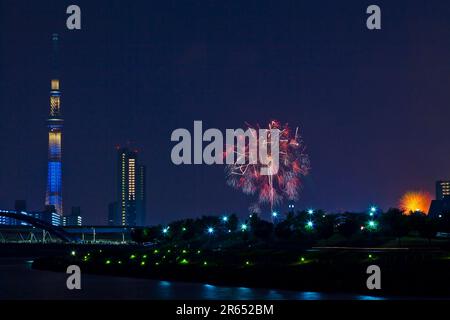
pixel 55 55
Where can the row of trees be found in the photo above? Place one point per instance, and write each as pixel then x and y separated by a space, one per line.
pixel 296 226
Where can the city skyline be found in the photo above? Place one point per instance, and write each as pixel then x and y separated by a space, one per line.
pixel 194 154
pixel 371 121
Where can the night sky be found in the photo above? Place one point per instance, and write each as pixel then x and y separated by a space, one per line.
pixel 373 106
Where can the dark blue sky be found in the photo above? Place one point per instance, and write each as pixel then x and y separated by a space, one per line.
pixel 373 107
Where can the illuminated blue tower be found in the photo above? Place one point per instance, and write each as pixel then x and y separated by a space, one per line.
pixel 55 125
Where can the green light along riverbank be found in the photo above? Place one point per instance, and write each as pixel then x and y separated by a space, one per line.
pixel 405 271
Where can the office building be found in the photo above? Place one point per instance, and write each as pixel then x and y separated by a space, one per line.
pixel 442 190
pixel 74 219
pixel 441 206
pixel 131 188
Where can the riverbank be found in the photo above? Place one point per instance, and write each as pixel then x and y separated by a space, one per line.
pixel 18 281
pixel 405 272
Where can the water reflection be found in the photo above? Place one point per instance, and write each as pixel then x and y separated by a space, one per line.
pixel 177 290
pixel 369 298
pixel 165 289
pixel 310 296
pixel 164 283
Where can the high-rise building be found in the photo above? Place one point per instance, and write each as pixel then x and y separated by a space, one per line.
pixel 74 219
pixel 55 125
pixel 441 206
pixel 49 215
pixel 442 190
pixel 131 188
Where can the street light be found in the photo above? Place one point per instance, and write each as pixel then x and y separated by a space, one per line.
pixel 371 225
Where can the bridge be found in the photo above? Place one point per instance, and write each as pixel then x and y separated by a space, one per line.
pixel 102 234
pixel 79 234
pixel 51 229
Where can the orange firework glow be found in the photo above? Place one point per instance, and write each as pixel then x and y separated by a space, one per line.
pixel 415 201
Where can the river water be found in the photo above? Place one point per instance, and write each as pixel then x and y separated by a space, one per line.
pixel 19 281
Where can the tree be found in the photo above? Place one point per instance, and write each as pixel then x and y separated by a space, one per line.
pixel 325 227
pixel 415 220
pixel 428 229
pixel 283 230
pixel 290 217
pixel 142 235
pixel 349 227
pixel 233 222
pixel 262 229
pixel 394 223
pixel 188 229
pixel 254 219
pixel 176 229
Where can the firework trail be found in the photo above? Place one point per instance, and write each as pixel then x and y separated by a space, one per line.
pixel 274 188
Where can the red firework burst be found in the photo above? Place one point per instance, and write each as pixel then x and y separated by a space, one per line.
pixel 274 188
